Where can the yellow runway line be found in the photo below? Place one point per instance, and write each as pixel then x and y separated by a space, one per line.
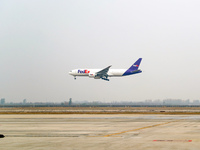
pixel 138 129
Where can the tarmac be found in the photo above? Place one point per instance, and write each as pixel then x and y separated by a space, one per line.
pixel 99 132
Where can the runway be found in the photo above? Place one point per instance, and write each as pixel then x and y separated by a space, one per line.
pixel 109 132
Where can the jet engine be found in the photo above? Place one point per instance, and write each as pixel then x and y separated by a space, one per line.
pixel 93 75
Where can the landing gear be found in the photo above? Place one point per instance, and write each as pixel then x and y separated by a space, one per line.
pixel 74 77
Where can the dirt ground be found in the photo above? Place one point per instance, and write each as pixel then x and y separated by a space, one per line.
pixel 100 110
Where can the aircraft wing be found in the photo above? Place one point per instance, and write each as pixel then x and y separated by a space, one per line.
pixel 103 72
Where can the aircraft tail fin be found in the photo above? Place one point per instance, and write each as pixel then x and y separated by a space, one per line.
pixel 136 65
pixel 134 68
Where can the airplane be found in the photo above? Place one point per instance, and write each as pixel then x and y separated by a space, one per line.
pixel 107 72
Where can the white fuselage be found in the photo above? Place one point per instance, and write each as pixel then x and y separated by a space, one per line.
pixel 87 72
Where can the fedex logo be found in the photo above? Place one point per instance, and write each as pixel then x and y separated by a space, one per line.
pixel 83 71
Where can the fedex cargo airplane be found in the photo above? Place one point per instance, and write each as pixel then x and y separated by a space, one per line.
pixel 107 72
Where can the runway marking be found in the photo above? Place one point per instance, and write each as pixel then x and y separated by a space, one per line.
pixel 112 134
pixel 172 140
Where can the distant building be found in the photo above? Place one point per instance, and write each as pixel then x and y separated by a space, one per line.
pixel 149 101
pixel 173 102
pixel 3 101
pixel 64 103
pixel 196 102
pixel 24 101
pixel 186 102
pixel 70 101
pixel 157 102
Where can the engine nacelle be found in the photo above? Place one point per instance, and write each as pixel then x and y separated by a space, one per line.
pixel 93 75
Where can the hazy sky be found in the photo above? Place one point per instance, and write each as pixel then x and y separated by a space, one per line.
pixel 42 40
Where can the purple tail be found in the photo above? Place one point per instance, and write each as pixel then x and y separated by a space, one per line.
pixel 134 68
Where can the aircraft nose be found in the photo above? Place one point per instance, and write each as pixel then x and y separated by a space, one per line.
pixel 70 72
